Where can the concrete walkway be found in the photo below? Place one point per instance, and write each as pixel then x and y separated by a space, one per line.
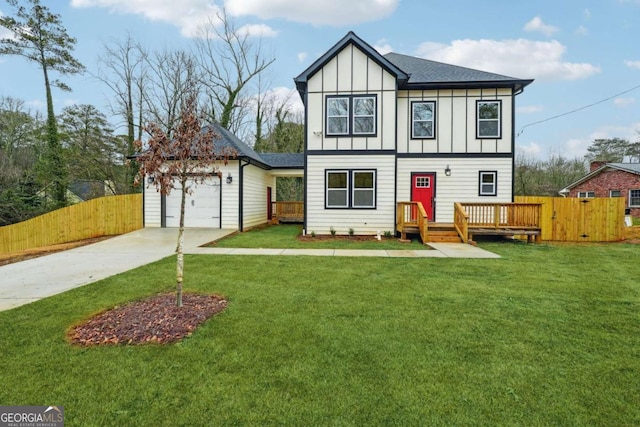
pixel 27 281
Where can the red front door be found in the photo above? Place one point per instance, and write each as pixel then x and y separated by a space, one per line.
pixel 423 187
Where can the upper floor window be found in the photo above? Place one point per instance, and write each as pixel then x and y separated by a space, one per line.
pixel 586 194
pixel 423 115
pixel 489 119
pixel 353 115
pixel 634 198
pixel 488 183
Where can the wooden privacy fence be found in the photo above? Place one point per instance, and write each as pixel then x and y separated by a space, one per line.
pixel 104 216
pixel 572 219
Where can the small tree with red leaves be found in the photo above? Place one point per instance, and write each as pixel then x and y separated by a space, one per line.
pixel 186 155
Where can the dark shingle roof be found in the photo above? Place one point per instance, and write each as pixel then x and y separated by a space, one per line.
pixel 226 139
pixel 284 160
pixel 628 167
pixel 426 71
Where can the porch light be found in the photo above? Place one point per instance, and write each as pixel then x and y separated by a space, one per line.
pixel 447 171
pixel 150 179
pixel 229 178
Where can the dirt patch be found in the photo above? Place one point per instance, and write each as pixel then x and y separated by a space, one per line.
pixel 153 320
pixel 10 257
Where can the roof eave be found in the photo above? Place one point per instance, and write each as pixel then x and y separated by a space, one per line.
pixel 516 85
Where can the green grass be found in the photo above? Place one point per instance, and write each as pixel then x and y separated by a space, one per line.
pixel 545 335
pixel 285 236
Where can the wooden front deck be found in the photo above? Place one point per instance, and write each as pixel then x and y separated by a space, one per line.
pixel 472 219
pixel 287 212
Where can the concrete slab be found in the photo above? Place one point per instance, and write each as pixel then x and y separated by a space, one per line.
pixel 309 252
pixel 256 251
pixel 36 278
pixel 459 250
pixel 361 252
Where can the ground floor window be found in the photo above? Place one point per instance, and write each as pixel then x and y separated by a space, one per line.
pixel 488 183
pixel 634 198
pixel 615 193
pixel 586 194
pixel 350 189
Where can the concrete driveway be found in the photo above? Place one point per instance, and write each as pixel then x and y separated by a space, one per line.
pixel 33 279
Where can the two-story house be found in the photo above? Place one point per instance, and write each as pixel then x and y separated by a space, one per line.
pixel 379 129
pixel 386 128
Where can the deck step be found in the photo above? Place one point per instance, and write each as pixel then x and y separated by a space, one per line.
pixel 443 236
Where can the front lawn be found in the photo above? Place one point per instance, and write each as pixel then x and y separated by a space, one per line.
pixel 285 236
pixel 545 335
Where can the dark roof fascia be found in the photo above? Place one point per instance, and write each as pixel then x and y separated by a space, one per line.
pixel 253 161
pixel 351 38
pixel 516 85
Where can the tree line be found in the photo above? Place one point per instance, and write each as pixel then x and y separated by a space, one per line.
pixel 42 157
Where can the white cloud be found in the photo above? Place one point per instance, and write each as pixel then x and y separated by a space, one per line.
pixel 326 12
pixel 521 58
pixel 529 109
pixel 383 47
pixel 259 30
pixel 302 56
pixel 577 147
pixel 188 15
pixel 623 102
pixel 532 149
pixel 37 104
pixel 632 64
pixel 582 30
pixel 587 14
pixel 536 25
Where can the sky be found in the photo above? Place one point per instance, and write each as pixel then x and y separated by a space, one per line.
pixel 583 54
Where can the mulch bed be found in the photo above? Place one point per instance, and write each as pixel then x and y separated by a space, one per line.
pixel 153 320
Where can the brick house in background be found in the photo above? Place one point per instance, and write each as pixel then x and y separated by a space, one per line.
pixel 609 180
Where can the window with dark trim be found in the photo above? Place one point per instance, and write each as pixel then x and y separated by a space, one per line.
pixel 489 123
pixel 488 183
pixel 352 115
pixel 634 198
pixel 586 194
pixel 423 120
pixel 354 189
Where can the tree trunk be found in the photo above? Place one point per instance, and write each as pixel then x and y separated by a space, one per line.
pixel 55 169
pixel 180 247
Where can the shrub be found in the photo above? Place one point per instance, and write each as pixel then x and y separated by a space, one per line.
pixel 351 231
pixel 332 230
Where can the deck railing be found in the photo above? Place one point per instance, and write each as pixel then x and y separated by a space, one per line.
pixel 288 211
pixel 411 215
pixel 461 222
pixel 503 215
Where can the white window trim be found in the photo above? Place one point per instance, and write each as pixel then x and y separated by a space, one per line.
pixel 494 192
pixel 638 198
pixel 372 190
pixel 345 189
pixel 478 119
pixel 586 194
pixel 373 116
pixel 433 120
pixel 329 99
pixel 612 191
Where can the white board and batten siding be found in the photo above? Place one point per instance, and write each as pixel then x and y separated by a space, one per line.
pixel 455 127
pixel 351 72
pixel 363 221
pixel 461 186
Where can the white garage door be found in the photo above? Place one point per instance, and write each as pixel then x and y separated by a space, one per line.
pixel 202 206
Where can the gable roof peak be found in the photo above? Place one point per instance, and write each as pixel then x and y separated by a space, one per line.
pixel 350 38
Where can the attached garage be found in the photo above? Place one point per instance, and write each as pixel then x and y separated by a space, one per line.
pixel 202 206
